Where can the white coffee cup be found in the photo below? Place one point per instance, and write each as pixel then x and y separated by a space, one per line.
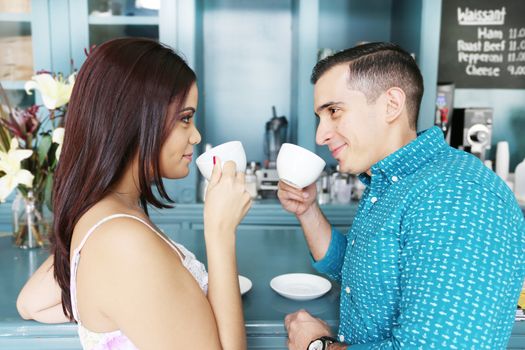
pixel 298 166
pixel 232 150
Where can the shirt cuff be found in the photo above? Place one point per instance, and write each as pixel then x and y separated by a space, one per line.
pixel 332 262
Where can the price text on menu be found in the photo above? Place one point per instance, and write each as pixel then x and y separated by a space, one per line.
pixel 482 44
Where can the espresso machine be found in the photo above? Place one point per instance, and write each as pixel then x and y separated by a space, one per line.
pixel 275 135
pixel 471 130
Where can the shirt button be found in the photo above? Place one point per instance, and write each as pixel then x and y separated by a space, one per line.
pixel 341 338
pixel 373 200
pixel 353 241
pixel 395 178
pixel 347 290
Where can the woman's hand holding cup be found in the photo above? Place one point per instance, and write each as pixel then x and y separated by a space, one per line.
pixel 227 200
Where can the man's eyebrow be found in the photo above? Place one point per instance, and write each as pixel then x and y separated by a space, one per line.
pixel 326 105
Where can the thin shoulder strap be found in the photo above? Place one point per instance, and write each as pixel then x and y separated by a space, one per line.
pixel 76 256
pixel 107 218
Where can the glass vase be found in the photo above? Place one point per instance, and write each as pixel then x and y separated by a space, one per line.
pixel 30 227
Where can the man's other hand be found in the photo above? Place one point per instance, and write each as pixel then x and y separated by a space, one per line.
pixel 302 328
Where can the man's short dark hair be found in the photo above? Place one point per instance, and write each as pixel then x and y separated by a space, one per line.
pixel 376 67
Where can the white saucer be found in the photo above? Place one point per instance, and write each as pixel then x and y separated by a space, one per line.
pixel 245 284
pixel 300 286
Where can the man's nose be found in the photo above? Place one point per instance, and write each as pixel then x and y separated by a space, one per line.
pixel 324 132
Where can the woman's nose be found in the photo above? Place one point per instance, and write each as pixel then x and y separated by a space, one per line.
pixel 195 137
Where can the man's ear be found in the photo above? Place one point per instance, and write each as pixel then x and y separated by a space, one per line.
pixel 395 103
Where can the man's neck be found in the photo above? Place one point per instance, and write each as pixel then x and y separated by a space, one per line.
pixel 398 140
pixel 395 141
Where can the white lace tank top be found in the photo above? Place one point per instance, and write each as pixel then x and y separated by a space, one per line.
pixel 116 340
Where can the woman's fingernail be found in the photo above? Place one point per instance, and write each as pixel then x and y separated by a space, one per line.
pixel 305 195
pixel 213 160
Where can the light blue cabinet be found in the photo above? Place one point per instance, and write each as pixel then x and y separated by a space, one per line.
pixel 24 45
pixel 96 21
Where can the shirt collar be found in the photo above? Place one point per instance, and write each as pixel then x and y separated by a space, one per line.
pixel 408 159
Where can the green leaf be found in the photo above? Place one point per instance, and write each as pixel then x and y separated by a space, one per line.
pixel 23 190
pixel 43 148
pixel 53 160
pixel 5 140
pixel 48 191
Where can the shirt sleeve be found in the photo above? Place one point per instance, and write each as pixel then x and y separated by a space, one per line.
pixel 331 264
pixel 461 270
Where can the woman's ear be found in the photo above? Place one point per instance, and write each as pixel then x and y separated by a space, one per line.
pixel 395 103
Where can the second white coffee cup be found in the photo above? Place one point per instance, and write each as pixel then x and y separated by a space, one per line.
pixel 232 150
pixel 298 166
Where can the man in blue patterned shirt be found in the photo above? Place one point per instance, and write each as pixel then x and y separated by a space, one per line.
pixel 434 256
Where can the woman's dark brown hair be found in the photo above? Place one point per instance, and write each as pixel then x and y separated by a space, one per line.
pixel 118 109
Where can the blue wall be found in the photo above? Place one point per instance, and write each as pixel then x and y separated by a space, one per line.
pixel 344 23
pixel 406 25
pixel 247 69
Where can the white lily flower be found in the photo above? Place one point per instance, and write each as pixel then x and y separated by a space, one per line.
pixel 58 138
pixel 10 164
pixel 55 91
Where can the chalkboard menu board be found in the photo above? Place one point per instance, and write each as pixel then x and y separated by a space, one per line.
pixel 482 44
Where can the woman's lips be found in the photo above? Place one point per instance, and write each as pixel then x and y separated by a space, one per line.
pixel 337 150
pixel 188 156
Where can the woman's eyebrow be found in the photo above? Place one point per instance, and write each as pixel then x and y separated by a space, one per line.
pixel 187 109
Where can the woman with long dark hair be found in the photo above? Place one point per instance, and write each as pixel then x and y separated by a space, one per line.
pixel 129 124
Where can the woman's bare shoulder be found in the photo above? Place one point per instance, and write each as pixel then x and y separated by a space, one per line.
pixel 118 228
pixel 123 244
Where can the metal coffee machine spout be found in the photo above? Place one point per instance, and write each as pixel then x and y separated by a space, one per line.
pixel 275 135
pixel 471 130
